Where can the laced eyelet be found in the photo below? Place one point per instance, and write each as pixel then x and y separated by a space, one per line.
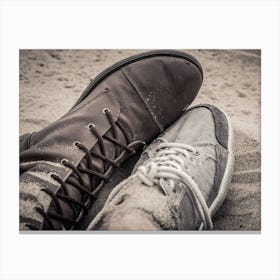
pixel 75 144
pixel 87 194
pixel 64 160
pixel 90 125
pixel 196 153
pixel 106 110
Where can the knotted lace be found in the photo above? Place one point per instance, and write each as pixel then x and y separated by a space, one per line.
pixel 167 167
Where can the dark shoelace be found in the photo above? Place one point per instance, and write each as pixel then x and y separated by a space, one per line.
pixel 88 196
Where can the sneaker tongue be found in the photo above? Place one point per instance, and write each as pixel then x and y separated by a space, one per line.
pixel 201 168
pixel 195 166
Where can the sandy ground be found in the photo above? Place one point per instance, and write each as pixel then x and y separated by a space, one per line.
pixel 52 80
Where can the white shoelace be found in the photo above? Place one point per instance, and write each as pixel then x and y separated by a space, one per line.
pixel 167 167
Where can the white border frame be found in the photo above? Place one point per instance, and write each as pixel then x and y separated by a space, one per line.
pixel 146 24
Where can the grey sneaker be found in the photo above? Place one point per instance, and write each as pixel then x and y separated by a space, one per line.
pixel 180 180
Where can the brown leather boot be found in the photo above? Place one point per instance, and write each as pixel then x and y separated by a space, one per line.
pixel 63 166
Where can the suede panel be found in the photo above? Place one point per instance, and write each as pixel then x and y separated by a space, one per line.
pixel 198 128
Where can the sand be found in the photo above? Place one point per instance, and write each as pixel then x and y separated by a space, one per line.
pixel 52 80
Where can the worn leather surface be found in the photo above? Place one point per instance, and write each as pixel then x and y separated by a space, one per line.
pixel 145 96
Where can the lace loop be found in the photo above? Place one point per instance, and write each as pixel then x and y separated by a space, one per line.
pixel 88 195
pixel 167 167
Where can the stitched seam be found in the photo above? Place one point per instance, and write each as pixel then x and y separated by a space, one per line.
pixel 211 108
pixel 147 107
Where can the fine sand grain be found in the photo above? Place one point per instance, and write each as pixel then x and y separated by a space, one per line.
pixel 52 80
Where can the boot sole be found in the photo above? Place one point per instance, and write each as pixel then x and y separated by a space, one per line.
pixel 115 67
